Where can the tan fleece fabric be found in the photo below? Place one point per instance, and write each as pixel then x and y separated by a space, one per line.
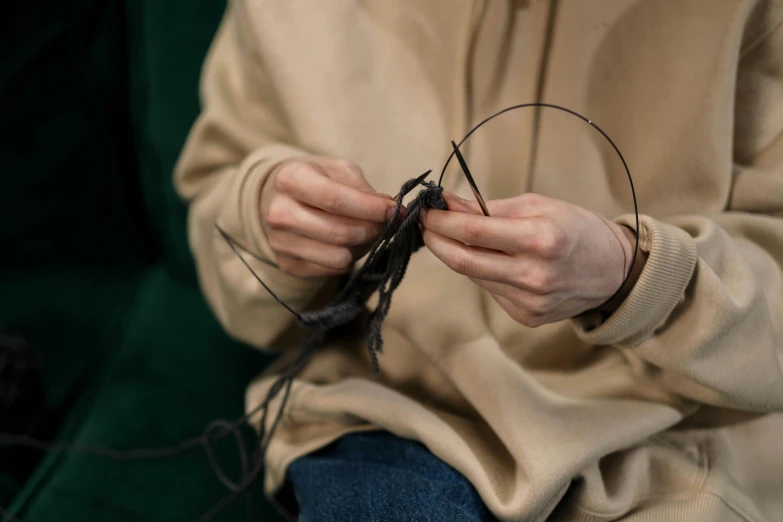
pixel 670 408
pixel 660 287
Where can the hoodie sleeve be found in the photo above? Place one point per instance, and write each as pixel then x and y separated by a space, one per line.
pixel 238 139
pixel 706 313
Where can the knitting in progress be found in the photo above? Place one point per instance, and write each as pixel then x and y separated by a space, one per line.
pixel 382 272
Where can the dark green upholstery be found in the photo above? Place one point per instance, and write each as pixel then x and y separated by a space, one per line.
pixel 96 100
pixel 70 191
pixel 167 41
pixel 174 371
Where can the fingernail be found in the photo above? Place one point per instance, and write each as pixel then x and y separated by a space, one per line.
pixel 390 213
pixel 384 195
pixel 422 215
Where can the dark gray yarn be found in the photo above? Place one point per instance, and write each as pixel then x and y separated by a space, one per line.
pixel 382 272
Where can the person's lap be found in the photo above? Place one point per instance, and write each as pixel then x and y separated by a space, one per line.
pixel 378 477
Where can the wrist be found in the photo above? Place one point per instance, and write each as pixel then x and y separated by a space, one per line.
pixel 633 270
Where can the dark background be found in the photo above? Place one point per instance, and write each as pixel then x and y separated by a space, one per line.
pixel 96 99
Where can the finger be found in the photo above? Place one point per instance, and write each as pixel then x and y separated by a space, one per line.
pixel 457 204
pixel 533 304
pixel 322 254
pixel 505 235
pixel 518 314
pixel 348 173
pixel 524 272
pixel 525 205
pixel 501 289
pixel 301 268
pixel 305 184
pixel 287 215
pixel 470 261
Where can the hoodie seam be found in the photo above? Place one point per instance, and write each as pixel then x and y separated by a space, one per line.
pixel 697 487
pixel 470 54
pixel 667 497
pixel 539 93
pixel 756 44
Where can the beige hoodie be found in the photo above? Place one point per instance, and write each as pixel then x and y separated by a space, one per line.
pixel 666 410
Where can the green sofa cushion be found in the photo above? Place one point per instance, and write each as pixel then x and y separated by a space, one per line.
pixel 68 194
pixel 98 98
pixel 167 42
pixel 73 319
pixel 175 372
pixel 74 233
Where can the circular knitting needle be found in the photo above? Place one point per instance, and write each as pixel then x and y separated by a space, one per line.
pixel 418 181
pixel 469 177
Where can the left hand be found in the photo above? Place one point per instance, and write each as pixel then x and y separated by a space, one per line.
pixel 542 259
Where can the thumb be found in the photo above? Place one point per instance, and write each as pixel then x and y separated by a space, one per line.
pixel 355 179
pixel 457 204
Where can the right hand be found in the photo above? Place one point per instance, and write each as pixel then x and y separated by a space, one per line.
pixel 320 215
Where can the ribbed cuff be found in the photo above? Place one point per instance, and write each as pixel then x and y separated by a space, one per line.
pixel 661 286
pixel 258 166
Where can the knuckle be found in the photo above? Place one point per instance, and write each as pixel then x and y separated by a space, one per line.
pixel 520 278
pixel 473 232
pixel 525 317
pixel 532 320
pixel 551 242
pixel 517 300
pixel 276 215
pixel 463 264
pixel 527 202
pixel 541 281
pixel 539 305
pixel 520 316
pixel 287 266
pixel 339 235
pixel 300 268
pixel 285 180
pixel 342 259
pixel 331 201
pixel 347 166
pixel 531 199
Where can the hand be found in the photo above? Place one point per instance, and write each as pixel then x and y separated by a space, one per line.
pixel 320 215
pixel 542 259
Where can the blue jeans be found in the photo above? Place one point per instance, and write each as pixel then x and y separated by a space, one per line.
pixel 378 477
